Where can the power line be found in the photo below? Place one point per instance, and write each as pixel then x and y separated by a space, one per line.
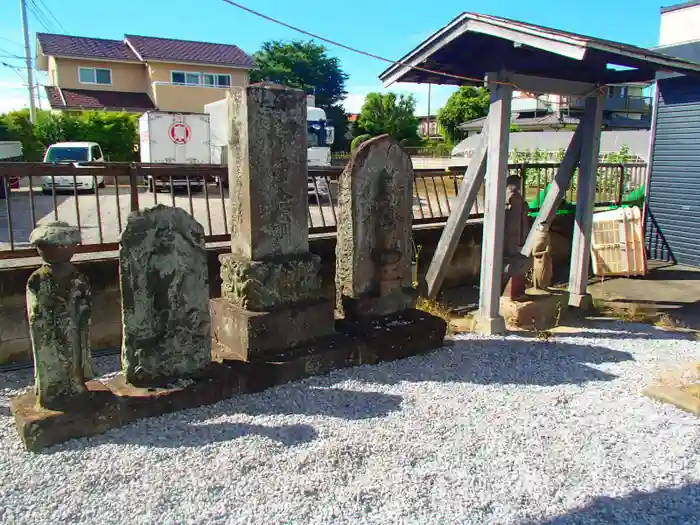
pixel 354 49
pixel 368 54
pixel 9 54
pixel 50 13
pixel 39 16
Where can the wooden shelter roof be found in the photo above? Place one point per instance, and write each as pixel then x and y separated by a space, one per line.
pixel 473 45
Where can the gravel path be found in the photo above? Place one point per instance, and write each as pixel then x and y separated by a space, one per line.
pixel 486 431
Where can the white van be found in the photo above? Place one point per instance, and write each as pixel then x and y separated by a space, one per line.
pixel 72 153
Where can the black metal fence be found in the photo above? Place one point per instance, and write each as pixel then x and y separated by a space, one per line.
pixel 98 197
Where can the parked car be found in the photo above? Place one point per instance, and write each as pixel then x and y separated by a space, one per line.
pixel 75 153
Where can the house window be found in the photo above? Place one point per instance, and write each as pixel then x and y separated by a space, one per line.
pixel 223 81
pixel 94 75
pixel 188 78
pixel 208 79
pixel 177 77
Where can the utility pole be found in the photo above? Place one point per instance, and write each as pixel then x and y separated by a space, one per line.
pixel 28 57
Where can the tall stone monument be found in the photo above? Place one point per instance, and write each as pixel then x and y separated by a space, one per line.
pixel 165 296
pixel 270 299
pixel 374 249
pixel 58 307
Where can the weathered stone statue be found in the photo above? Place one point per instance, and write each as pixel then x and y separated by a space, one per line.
pixel 165 296
pixel 516 210
pixel 373 251
pixel 515 264
pixel 542 258
pixel 58 307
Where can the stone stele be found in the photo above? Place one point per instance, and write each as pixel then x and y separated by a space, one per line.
pixel 374 249
pixel 270 292
pixel 165 297
pixel 58 309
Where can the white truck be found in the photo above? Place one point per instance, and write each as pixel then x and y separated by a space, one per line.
pixel 174 138
pixel 320 137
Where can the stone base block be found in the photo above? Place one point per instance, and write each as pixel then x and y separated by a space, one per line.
pixel 397 301
pixel 261 285
pixel 396 336
pixel 539 309
pixel 243 335
pixel 318 358
pixel 114 403
pixel 676 397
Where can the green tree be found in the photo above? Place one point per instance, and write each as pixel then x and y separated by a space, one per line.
pixel 15 125
pixel 467 103
pixel 115 132
pixel 307 66
pixel 391 114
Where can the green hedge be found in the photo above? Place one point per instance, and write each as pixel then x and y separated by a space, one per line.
pixel 116 133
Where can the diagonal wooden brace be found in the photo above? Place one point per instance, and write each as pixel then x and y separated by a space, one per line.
pixel 468 191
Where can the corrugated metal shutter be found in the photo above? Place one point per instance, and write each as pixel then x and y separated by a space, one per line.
pixel 674 192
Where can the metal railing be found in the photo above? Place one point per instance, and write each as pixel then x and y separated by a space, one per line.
pixel 97 198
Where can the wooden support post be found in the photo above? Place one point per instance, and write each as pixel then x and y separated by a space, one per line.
pixel 559 187
pixel 468 192
pixel 585 201
pixel 489 319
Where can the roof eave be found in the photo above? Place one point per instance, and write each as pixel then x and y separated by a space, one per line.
pixel 197 64
pixel 99 59
pixel 568 46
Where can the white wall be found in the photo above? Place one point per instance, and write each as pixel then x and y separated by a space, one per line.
pixel 680 25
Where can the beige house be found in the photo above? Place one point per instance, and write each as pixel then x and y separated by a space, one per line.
pixel 138 73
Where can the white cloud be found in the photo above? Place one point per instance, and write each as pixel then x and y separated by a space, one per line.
pixel 438 97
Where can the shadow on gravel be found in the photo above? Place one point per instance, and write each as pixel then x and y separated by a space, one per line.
pixel 502 362
pixel 617 329
pixel 678 506
pixel 198 434
pixel 190 429
pixel 295 399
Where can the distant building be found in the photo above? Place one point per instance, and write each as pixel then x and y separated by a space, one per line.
pixel 428 128
pixel 626 108
pixel 138 73
pixel 551 143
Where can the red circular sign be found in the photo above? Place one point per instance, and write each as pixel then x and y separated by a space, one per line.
pixel 179 133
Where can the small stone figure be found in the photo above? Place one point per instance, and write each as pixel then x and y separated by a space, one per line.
pixel 542 254
pixel 515 217
pixel 515 264
pixel 58 307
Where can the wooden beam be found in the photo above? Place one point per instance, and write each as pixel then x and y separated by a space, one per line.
pixel 457 219
pixel 585 200
pixel 558 188
pixel 489 319
pixel 554 86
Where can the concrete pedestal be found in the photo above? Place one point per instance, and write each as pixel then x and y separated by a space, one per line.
pixel 540 309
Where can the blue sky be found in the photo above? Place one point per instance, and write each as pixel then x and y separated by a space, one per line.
pixel 389 28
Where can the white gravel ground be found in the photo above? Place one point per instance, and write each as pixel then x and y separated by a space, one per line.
pixel 487 431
